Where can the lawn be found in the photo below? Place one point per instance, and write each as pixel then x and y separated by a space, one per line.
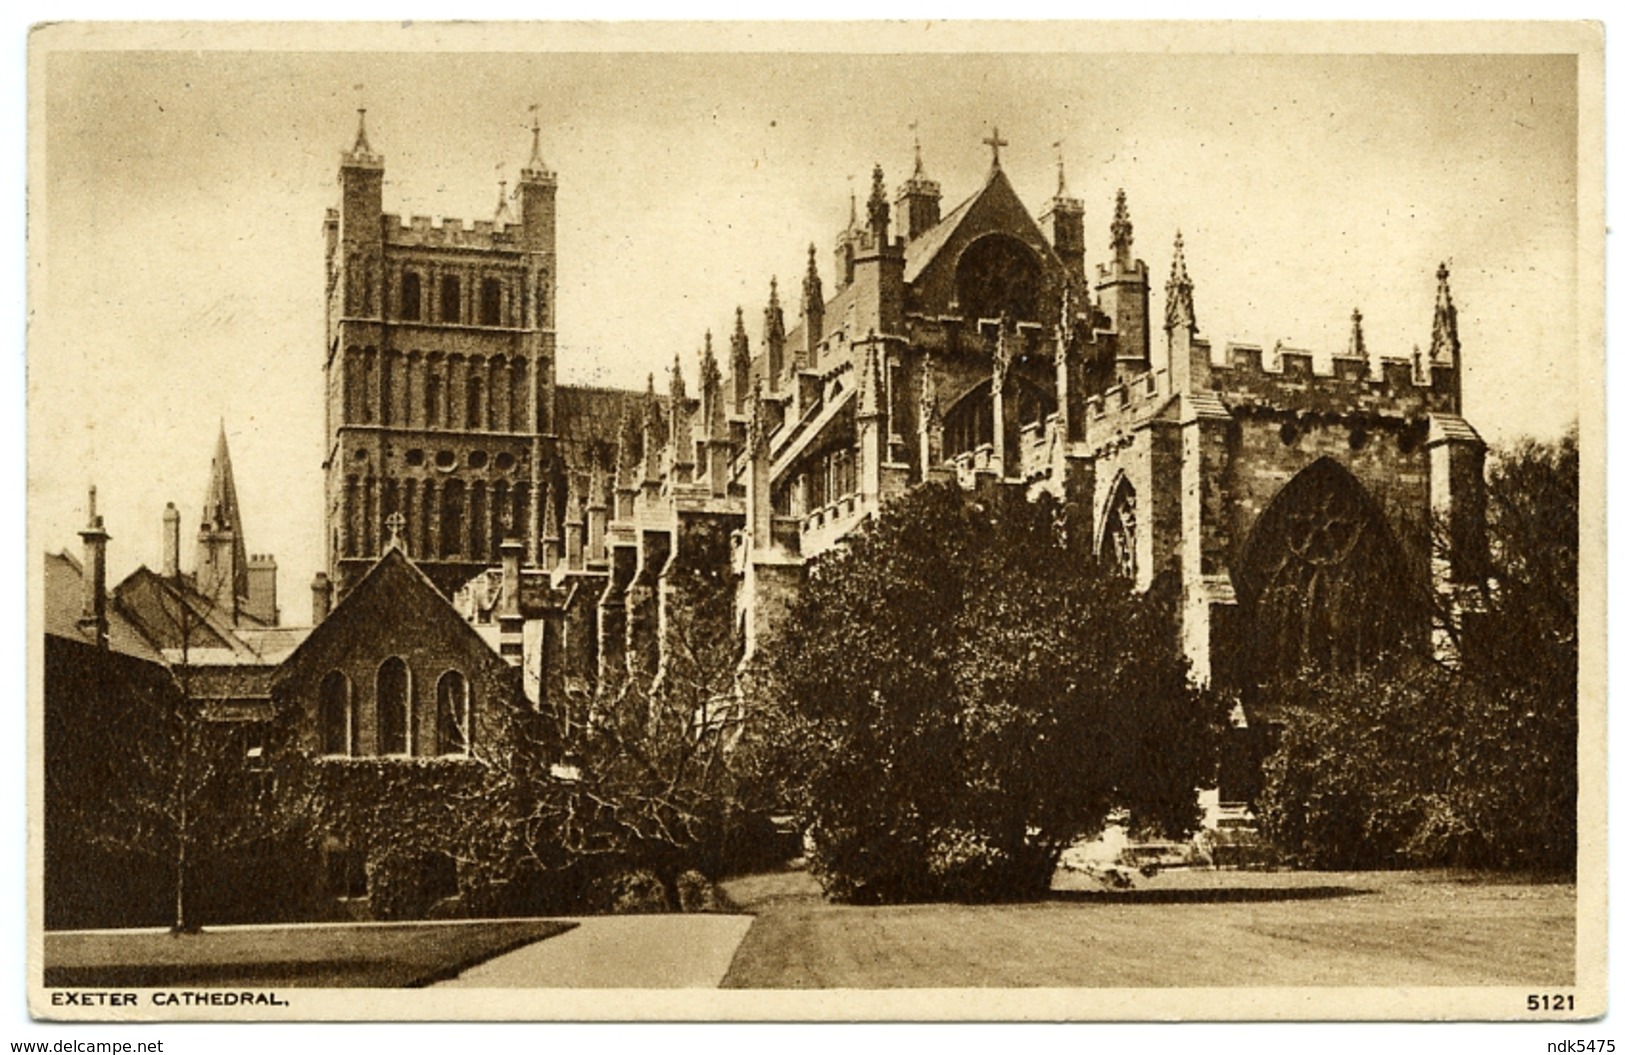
pixel 1181 928
pixel 371 955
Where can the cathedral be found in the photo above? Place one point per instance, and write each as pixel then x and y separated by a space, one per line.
pixel 1301 515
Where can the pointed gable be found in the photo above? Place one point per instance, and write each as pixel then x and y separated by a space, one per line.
pixel 393 609
pixel 932 259
pixel 393 613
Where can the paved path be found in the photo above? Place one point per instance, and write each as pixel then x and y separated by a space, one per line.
pixel 619 952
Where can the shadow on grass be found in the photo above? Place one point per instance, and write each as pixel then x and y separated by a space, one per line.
pixel 1210 896
pixel 403 957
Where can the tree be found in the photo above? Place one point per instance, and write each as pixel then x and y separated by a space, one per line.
pixel 200 777
pixel 962 694
pixel 647 774
pixel 1469 759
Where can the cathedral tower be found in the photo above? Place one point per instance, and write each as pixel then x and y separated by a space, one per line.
pixel 439 375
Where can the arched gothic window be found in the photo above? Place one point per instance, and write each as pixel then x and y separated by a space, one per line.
pixel 1323 584
pixel 476 404
pixel 997 274
pixel 337 715
pixel 454 716
pixel 394 701
pixel 1119 536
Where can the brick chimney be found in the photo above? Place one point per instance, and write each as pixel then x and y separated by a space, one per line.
pixel 93 616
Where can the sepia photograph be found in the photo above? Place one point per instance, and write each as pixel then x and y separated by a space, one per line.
pixel 841 521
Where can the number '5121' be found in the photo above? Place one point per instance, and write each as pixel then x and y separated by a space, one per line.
pixel 1551 1002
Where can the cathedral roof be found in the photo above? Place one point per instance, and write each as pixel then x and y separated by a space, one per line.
pixel 589 421
pixel 996 193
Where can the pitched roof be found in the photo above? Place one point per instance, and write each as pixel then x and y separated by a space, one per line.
pixel 425 600
pixel 588 422
pixel 64 603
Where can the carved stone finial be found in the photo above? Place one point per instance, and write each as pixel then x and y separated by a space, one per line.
pixel 1446 345
pixel 1122 227
pixel 1181 305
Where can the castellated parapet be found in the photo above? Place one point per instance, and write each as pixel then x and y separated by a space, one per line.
pixel 1291 385
pixel 449 232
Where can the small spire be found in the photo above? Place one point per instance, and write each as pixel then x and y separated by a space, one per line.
pixel 852 204
pixel 629 449
pixel 756 422
pixel 550 516
pixel 739 337
pixel 679 391
pixel 1181 308
pixel 598 484
pixel 1357 349
pixel 503 213
pixel 1060 171
pixel 869 391
pixel 708 357
pixel 361 145
pixel 535 168
pixel 1066 328
pixel 879 209
pixel 919 162
pixel 930 408
pixel 812 287
pixel 1446 346
pixel 360 155
pixel 1122 228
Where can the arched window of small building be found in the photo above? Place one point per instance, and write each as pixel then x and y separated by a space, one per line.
pixel 476 403
pixel 394 700
pixel 411 297
pixel 454 714
pixel 337 716
pixel 451 298
pixel 451 519
pixel 491 302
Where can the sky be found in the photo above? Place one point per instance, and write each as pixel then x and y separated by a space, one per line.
pixel 177 270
